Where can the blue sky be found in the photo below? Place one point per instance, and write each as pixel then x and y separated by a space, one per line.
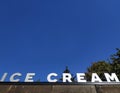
pixel 44 36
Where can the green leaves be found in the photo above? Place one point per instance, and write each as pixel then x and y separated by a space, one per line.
pixel 102 67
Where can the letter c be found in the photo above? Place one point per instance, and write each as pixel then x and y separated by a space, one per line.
pixel 49 77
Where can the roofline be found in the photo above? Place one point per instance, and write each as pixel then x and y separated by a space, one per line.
pixel 58 83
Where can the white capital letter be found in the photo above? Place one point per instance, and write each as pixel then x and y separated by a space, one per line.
pixel 112 77
pixel 49 77
pixel 12 78
pixel 67 77
pixel 81 77
pixel 3 77
pixel 29 77
pixel 95 78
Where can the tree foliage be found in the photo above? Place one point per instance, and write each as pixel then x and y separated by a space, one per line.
pixel 102 67
pixel 115 62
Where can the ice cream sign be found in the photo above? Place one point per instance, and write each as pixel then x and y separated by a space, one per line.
pixel 53 77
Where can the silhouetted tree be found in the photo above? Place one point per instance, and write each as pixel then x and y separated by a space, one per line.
pixel 100 68
pixel 115 62
pixel 68 71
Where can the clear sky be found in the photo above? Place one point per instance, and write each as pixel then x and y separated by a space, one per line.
pixel 44 36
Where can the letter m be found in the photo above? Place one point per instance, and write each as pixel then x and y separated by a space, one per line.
pixel 111 77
